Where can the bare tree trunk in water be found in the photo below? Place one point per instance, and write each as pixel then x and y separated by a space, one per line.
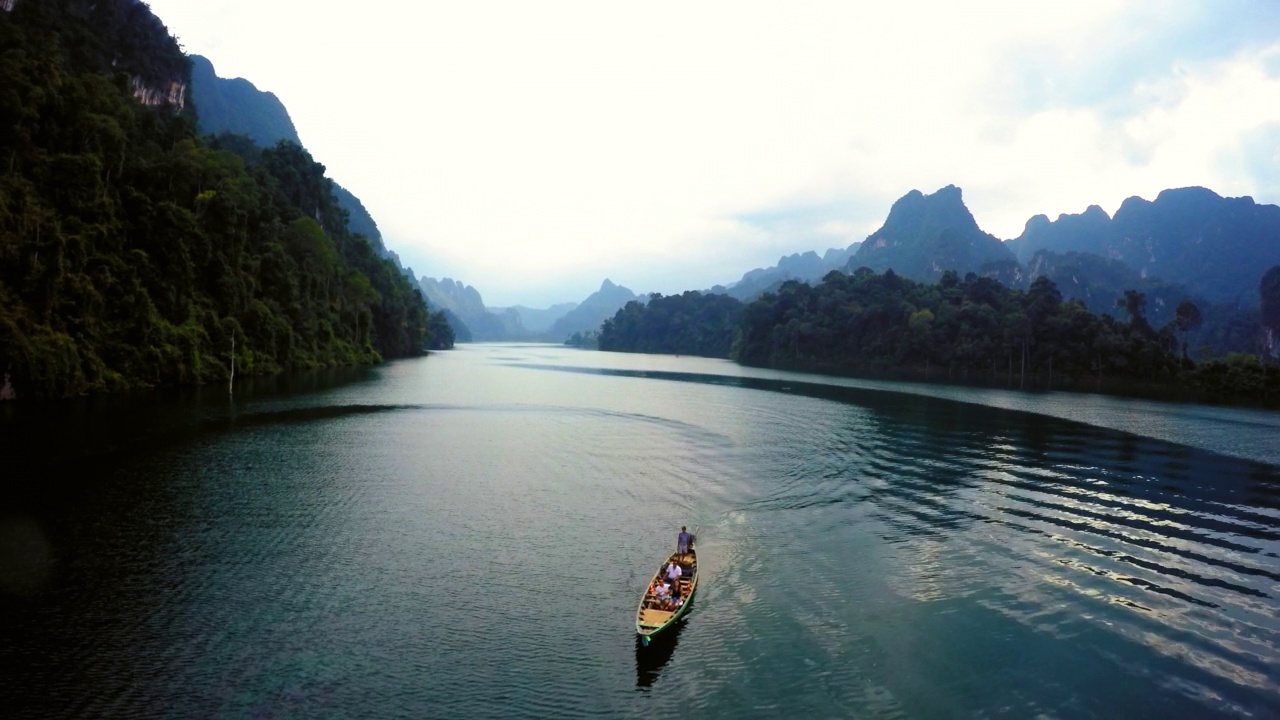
pixel 1022 372
pixel 232 378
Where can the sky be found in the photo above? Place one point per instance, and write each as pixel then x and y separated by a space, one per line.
pixel 532 149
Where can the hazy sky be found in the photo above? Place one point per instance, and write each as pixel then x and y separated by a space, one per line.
pixel 532 149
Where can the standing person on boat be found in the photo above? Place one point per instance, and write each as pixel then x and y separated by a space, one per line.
pixel 683 541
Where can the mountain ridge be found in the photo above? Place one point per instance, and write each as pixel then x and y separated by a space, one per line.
pixel 805 266
pixel 466 303
pixel 237 106
pixel 591 313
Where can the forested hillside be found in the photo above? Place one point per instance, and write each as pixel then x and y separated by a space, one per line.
pixel 687 324
pixel 235 106
pixel 977 329
pixel 133 254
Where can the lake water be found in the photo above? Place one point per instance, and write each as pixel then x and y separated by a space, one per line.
pixel 468 534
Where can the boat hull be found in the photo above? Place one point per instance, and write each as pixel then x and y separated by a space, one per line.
pixel 651 621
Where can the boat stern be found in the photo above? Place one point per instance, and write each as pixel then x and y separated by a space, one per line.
pixel 650 621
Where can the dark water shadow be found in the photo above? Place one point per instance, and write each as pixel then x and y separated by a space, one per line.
pixel 651 659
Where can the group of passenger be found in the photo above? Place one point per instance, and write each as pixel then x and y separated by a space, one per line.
pixel 667 588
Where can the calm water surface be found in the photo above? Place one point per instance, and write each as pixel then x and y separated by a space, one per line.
pixel 467 535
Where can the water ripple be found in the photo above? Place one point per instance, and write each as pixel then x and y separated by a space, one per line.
pixel 469 539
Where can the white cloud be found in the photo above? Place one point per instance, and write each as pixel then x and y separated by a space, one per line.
pixel 513 144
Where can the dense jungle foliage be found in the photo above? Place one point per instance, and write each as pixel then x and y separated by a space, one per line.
pixel 134 254
pixel 972 329
pixel 589 340
pixel 977 329
pixel 687 324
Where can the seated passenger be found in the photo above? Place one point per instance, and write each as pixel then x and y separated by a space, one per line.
pixel 663 591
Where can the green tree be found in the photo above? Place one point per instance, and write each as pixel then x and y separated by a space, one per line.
pixel 135 254
pixel 1186 318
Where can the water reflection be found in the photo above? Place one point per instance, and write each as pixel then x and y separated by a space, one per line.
pixel 100 425
pixel 651 659
pixel 885 554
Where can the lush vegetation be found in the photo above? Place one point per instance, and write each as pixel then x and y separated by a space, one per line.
pixel 135 254
pixel 688 324
pixel 977 329
pixel 971 329
pixel 589 340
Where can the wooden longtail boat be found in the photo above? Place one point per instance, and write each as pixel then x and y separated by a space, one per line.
pixel 652 617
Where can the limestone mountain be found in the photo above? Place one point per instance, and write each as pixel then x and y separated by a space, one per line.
pixel 808 267
pixel 537 320
pixel 926 235
pixel 1099 282
pixel 591 313
pixel 1089 232
pixel 236 106
pixel 1217 247
pixel 467 305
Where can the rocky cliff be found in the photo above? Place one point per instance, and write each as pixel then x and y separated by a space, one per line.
pixel 466 304
pixel 235 105
pixel 926 235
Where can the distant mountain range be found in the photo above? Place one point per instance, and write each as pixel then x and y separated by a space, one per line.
pixel 554 324
pixel 465 304
pixel 536 320
pixel 591 313
pixel 807 266
pixel 1187 243
pixel 1217 247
